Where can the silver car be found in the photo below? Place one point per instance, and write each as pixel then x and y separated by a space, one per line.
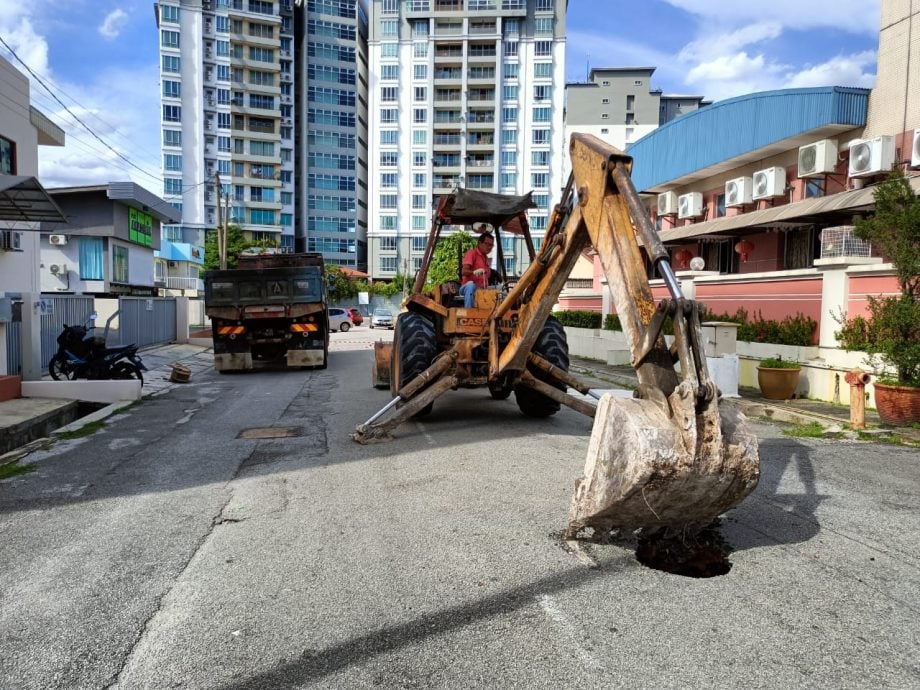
pixel 382 318
pixel 339 320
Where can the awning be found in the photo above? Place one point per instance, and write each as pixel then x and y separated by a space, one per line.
pixel 799 213
pixel 23 198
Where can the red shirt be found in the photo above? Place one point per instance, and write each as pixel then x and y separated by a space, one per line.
pixel 475 258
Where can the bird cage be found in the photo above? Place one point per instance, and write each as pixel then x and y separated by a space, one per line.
pixel 841 241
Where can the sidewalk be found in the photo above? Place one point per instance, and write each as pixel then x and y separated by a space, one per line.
pixel 834 418
pixel 34 419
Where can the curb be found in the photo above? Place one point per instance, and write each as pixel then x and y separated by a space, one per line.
pixel 96 416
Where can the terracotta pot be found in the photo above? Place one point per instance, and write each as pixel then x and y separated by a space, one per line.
pixel 897 405
pixel 777 384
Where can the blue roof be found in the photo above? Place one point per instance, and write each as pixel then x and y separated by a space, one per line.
pixel 739 126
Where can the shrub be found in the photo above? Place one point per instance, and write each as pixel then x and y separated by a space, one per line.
pixel 579 319
pixel 612 323
pixel 778 363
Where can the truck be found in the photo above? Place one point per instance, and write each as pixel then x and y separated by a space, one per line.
pixel 667 461
pixel 269 312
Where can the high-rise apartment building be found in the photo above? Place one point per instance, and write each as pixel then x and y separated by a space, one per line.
pixel 331 147
pixel 461 92
pixel 227 87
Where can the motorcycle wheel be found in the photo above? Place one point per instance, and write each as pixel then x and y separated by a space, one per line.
pixel 127 370
pixel 61 370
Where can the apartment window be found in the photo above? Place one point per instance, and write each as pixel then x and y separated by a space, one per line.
pixel 388 94
pixel 510 70
pixel 605 101
pixel 605 116
pixel 388 244
pixel 605 83
pixel 169 13
pixel 543 48
pixel 419 137
pixel 542 92
pixel 257 100
pixel 389 137
pixel 509 137
pixel 223 144
pixel 814 187
pixel 539 180
pixel 171 137
pixel 509 114
pixel 512 27
pixel 420 28
pixel 389 50
pixel 720 205
pixel 544 5
pixel 387 223
pixel 389 115
pixel 265 194
pixel 421 93
pixel 260 78
pixel 223 97
pixel 630 102
pixel 261 148
pixel 389 72
pixel 419 243
pixel 542 201
pixel 388 180
pixel 540 136
pixel 605 130
pixel 630 119
pixel 509 158
pixel 420 49
pixel 388 263
pixel 169 39
pixel 543 25
pixel 419 180
pixel 510 49
pixel 388 200
pixel 119 264
pixel 418 201
pixel 223 73
pixel 539 157
pixel 222 25
pixel 509 93
pixel 418 158
pixel 261 54
pixel 172 185
pixel 388 158
pixel 172 64
pixel 542 114
pixel 223 120
pixel 420 72
pixel 508 180
pixel 261 30
pixel 172 113
pixel 543 70
pixel 262 6
pixel 419 115
pixel 389 28
pixel 223 48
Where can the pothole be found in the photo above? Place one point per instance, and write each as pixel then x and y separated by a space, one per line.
pixel 271 432
pixel 704 554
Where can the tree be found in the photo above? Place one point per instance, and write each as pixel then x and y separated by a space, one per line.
pixel 445 264
pixel 236 242
pixel 892 330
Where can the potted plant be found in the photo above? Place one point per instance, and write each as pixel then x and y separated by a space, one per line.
pixel 891 332
pixel 778 378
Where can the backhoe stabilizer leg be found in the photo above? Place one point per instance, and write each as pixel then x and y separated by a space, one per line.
pixel 380 431
pixel 653 465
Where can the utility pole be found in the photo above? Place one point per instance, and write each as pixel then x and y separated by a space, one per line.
pixel 221 226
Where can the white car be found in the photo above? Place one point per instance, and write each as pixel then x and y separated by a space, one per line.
pixel 382 318
pixel 339 320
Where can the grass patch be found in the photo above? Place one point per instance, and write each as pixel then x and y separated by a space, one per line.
pixel 893 439
pixel 809 430
pixel 85 430
pixel 12 469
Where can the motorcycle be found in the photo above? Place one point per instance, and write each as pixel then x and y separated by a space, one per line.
pixel 82 355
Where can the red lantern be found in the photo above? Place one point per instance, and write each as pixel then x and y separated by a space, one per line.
pixel 682 258
pixel 744 248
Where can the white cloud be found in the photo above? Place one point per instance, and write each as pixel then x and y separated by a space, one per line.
pixel 856 16
pixel 719 45
pixel 113 24
pixel 843 70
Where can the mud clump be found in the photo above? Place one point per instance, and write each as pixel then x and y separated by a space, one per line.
pixel 703 554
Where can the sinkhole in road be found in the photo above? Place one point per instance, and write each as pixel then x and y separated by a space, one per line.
pixel 703 554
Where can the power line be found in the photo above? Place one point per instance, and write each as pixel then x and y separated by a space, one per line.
pixel 72 114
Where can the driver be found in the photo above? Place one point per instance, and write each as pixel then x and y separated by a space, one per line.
pixel 475 271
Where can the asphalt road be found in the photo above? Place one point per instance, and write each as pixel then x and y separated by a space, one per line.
pixel 167 551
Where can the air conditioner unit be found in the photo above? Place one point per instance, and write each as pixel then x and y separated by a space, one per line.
pixel 58 269
pixel 739 191
pixel 172 264
pixel 915 150
pixel 10 241
pixel 667 204
pixel 871 156
pixel 690 205
pixel 769 182
pixel 817 158
pixel 57 239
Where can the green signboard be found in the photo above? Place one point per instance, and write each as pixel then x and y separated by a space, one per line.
pixel 140 227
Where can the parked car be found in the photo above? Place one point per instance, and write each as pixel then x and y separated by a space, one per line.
pixel 339 320
pixel 357 318
pixel 382 318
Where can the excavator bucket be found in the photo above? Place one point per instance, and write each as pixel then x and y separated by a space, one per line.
pixel 656 463
pixel 381 373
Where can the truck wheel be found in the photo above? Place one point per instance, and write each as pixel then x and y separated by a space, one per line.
pixel 414 349
pixel 552 346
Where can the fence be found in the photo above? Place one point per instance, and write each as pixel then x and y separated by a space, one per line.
pixel 140 320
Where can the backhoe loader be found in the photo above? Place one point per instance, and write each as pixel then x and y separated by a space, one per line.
pixel 671 457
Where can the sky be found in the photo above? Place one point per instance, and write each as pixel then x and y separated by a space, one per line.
pixel 99 59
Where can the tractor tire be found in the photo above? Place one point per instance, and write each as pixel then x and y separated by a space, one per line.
pixel 414 350
pixel 552 346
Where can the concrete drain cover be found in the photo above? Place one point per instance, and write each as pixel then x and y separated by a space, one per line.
pixel 271 432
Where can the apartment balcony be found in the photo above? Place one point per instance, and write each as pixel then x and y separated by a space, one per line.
pixel 481 74
pixel 480 141
pixel 270 42
pixel 452 141
pixel 482 5
pixel 514 6
pixel 480 163
pixel 177 283
pixel 452 52
pixel 443 96
pixel 451 74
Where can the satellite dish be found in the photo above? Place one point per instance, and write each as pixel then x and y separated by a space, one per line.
pixel 697 263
